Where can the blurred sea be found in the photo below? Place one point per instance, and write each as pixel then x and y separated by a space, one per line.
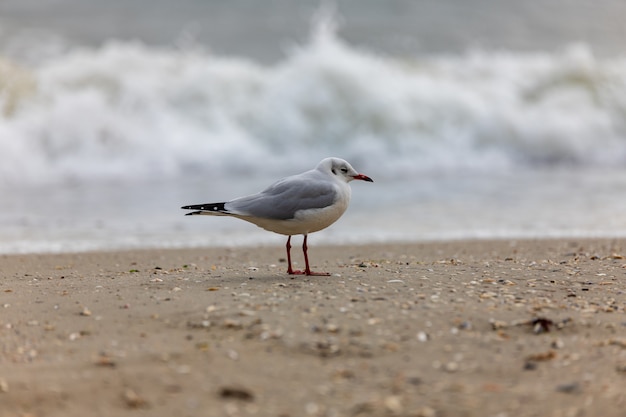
pixel 476 118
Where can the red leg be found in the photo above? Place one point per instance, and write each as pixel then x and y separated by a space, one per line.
pixel 290 270
pixel 307 269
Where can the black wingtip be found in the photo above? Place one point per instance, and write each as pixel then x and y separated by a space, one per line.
pixel 207 207
pixel 193 212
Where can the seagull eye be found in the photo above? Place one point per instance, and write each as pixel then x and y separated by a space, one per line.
pixel 344 170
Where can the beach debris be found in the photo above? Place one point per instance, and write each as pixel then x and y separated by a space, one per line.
pixel 332 328
pixel 326 348
pixel 236 393
pixel 203 346
pixel 530 366
pixel 247 313
pixel 389 405
pixel 541 356
pixel 203 324
pixel 232 324
pixel 105 361
pixel 4 385
pixel 569 388
pixel 414 380
pixel 465 325
pixel 539 324
pixel 393 403
pixel 557 344
pixel 85 312
pixel 451 367
pixel 132 399
pixel 621 342
pixel 488 294
pixel 498 324
pixel 343 374
pixel 369 408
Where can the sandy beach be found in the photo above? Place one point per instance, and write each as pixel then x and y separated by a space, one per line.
pixel 475 328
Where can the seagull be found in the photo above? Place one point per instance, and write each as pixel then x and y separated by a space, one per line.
pixel 295 205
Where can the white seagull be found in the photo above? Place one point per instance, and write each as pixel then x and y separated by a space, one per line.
pixel 296 205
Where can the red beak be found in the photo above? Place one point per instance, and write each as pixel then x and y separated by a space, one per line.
pixel 363 177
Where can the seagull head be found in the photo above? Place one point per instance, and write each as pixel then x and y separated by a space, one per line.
pixel 341 169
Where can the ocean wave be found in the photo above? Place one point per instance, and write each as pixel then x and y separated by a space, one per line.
pixel 126 111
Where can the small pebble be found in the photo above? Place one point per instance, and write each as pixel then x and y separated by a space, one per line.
pixel 232 324
pixel 105 361
pixel 530 366
pixel 133 400
pixel 236 393
pixel 466 325
pixel 452 367
pixel 393 403
pixel 571 388
pixel 557 344
pixel 332 328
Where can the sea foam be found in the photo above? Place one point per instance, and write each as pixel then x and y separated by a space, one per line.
pixel 132 112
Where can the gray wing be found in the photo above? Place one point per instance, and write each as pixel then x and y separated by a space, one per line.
pixel 283 199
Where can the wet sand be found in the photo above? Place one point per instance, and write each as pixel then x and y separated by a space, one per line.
pixel 476 328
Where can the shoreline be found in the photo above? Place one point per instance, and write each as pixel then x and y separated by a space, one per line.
pixel 472 328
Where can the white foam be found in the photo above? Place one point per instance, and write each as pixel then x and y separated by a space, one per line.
pixel 128 111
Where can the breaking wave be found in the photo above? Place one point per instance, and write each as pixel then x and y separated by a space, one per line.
pixel 128 111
